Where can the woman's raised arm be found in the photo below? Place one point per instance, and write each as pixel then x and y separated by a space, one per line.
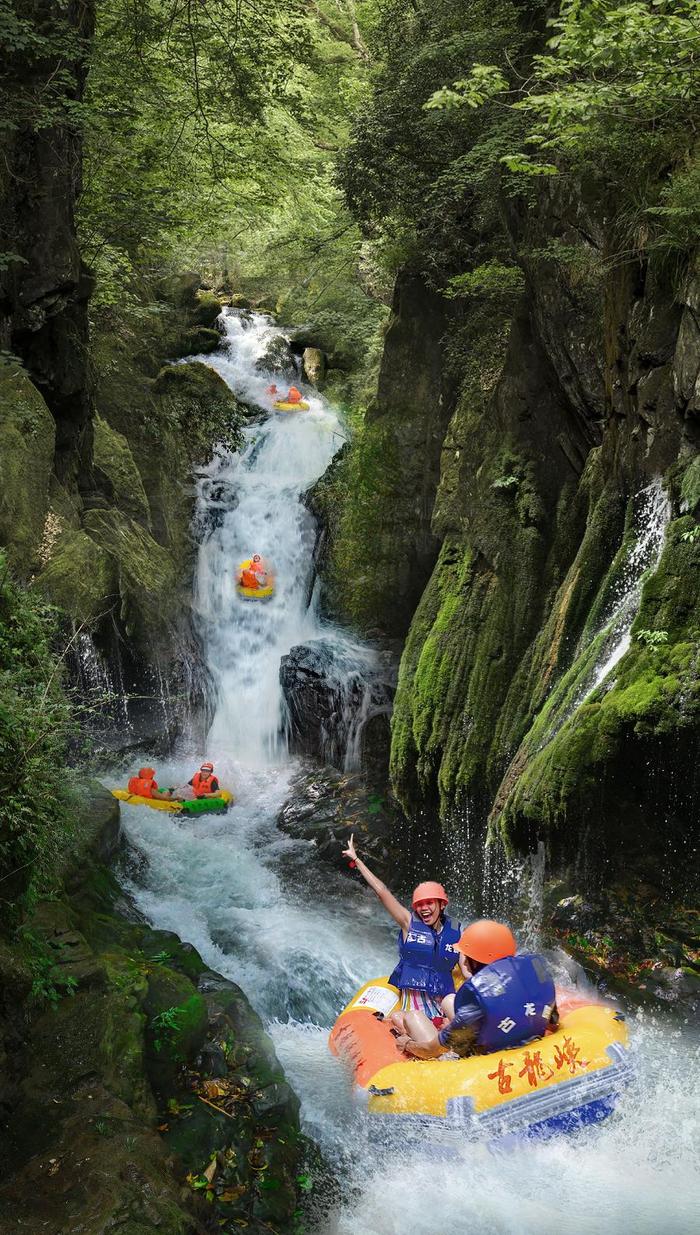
pixel 399 912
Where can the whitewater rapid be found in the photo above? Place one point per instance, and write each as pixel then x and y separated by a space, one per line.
pixel 300 938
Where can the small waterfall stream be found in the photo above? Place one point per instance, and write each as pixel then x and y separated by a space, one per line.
pixel 300 938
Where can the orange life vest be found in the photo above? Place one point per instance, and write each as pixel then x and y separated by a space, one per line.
pixel 249 579
pixel 142 786
pixel 294 395
pixel 202 784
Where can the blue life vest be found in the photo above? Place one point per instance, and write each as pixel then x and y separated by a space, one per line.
pixel 516 996
pixel 426 958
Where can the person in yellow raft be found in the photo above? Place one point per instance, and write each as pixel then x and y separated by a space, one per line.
pixel 507 999
pixel 145 785
pixel 255 575
pixel 204 782
pixel 293 395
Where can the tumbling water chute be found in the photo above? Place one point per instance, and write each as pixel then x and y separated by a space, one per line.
pixel 567 1079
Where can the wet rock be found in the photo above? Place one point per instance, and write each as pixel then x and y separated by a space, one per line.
pixel 200 340
pixel 207 309
pixel 325 807
pixel 237 301
pixel 575 913
pixel 313 364
pixel 335 698
pixel 277 359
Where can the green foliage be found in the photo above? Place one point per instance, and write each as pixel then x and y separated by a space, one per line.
pixel 692 535
pixel 652 638
pixel 211 133
pixel 36 728
pixel 49 985
pixel 493 281
pixel 614 98
pixel 423 179
pixel 165 1026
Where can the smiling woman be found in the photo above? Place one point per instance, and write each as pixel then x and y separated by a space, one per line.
pixel 427 939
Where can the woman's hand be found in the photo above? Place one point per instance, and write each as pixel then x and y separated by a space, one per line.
pixel 350 851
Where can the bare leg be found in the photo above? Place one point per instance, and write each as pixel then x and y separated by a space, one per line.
pixel 420 1029
pixel 447 1007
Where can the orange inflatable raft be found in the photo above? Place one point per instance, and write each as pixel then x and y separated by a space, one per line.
pixel 567 1079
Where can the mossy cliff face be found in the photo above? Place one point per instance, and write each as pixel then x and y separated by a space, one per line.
pixel 377 500
pixel 120 1049
pixel 119 561
pixel 593 400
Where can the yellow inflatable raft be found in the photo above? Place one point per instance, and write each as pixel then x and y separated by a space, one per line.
pixel 197 806
pixel 254 593
pixel 282 406
pixel 560 1082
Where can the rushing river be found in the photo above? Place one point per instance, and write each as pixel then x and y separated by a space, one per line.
pixel 300 939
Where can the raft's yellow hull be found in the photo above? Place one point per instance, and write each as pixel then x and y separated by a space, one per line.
pixel 567 1078
pixel 255 593
pixel 172 808
pixel 281 406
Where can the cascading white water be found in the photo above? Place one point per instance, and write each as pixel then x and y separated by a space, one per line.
pixel 256 499
pixel 651 514
pixel 300 938
pixel 653 511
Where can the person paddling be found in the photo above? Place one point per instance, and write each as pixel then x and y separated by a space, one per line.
pixel 293 395
pixel 427 944
pixel 145 785
pixel 507 999
pixel 204 782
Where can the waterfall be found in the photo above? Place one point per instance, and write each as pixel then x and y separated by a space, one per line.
pixel 247 503
pixel 611 637
pixel 652 511
pixel 300 938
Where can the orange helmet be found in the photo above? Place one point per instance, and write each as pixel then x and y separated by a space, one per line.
pixel 429 891
pixel 208 766
pixel 486 941
pixel 146 772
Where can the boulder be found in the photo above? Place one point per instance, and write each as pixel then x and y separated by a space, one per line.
pixel 113 457
pixel 200 341
pixel 207 310
pixel 332 694
pixel 278 359
pixel 314 365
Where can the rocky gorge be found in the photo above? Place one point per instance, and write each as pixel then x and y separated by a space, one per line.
pixel 510 522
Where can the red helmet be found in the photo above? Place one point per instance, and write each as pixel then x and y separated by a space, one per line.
pixel 209 767
pixel 429 891
pixel 145 773
pixel 486 941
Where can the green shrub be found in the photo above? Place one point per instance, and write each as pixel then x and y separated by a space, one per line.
pixel 36 727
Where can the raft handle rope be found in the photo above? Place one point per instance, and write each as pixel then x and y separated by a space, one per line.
pixel 380 1093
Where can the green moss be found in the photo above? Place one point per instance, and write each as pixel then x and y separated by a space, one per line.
pixel 27 436
pixel 690 487
pixel 193 400
pixel 112 454
pixel 80 577
pixel 655 692
pixel 207 310
pixel 146 579
pixel 200 340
